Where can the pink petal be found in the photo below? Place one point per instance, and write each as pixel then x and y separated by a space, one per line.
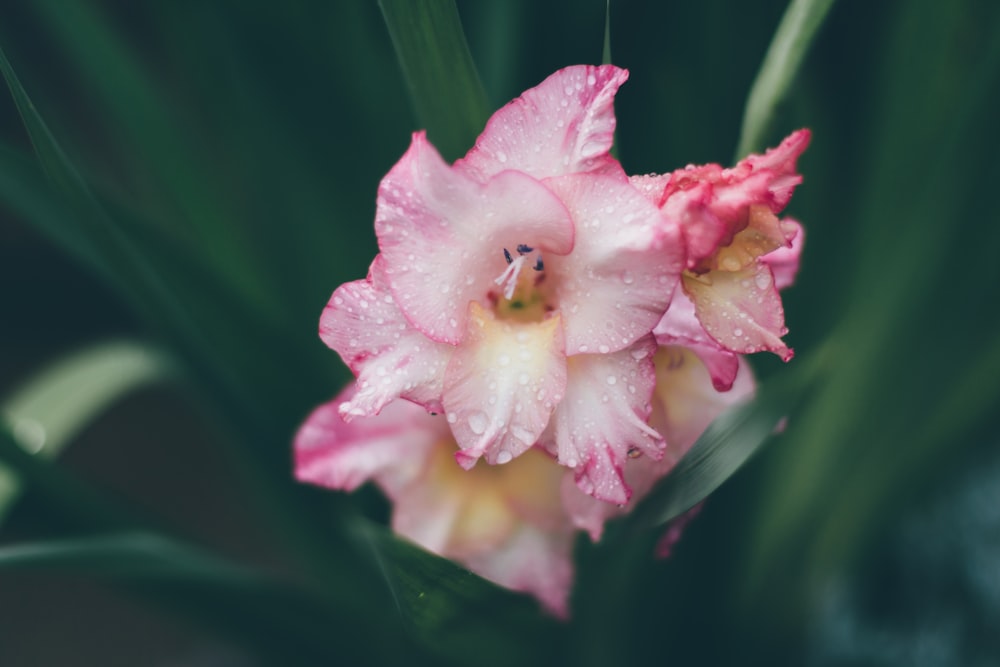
pixel 680 326
pixel 391 448
pixel 502 385
pixel 781 162
pixel 602 419
pixel 533 561
pixel 443 235
pixel 615 285
pixel 564 125
pixel 685 401
pixel 390 357
pixel 453 512
pixel 741 310
pixel 784 261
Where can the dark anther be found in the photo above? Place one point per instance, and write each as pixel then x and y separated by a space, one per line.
pixel 506 255
pixel 524 249
pixel 539 265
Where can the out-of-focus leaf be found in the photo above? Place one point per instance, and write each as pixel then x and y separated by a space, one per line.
pixel 606 53
pixel 283 620
pixel 48 411
pixel 916 347
pixel 160 150
pixel 724 447
pixel 434 56
pixel 788 49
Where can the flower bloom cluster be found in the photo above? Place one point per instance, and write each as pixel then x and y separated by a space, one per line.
pixel 575 327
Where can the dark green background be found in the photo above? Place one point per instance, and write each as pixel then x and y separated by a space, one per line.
pixel 240 144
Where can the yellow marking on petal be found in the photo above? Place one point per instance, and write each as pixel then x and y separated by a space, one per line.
pixel 762 234
pixel 493 500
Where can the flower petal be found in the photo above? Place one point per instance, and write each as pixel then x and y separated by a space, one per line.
pixel 502 384
pixel 391 448
pixel 685 401
pixel 539 562
pixel 741 310
pixel 564 125
pixel 451 511
pixel 602 419
pixel 390 357
pixel 680 326
pixel 615 285
pixel 443 235
pixel 784 261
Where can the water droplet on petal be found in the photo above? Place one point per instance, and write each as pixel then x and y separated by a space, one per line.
pixel 477 422
pixel 503 456
pixel 763 279
pixel 611 379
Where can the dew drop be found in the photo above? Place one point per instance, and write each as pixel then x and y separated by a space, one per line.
pixel 501 156
pixel 603 349
pixel 452 418
pixel 503 360
pixel 611 379
pixel 503 456
pixel 523 379
pixel 737 332
pixel 763 279
pixel 477 422
pixel 627 278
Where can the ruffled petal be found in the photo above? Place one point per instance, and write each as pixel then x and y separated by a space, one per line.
pixel 392 448
pixel 389 356
pixel 741 310
pixel 564 125
pixel 615 285
pixel 443 234
pixel 784 261
pixel 680 326
pixel 502 384
pixel 781 163
pixel 602 420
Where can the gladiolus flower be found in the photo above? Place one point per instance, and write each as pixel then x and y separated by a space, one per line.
pixel 517 290
pixel 728 220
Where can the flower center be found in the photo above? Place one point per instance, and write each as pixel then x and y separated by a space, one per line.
pixel 521 296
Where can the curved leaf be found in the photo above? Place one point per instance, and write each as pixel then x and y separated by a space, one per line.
pixel 784 56
pixel 434 56
pixel 54 406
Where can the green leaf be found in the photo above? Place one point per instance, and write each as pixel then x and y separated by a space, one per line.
pixel 145 123
pixel 724 447
pixel 54 406
pixel 434 56
pixel 257 609
pixel 784 56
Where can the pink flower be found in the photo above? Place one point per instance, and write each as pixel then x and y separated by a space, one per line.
pixel 728 220
pixel 517 290
pixel 505 523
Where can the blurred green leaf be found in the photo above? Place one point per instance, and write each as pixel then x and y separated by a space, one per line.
pixel 48 411
pixel 162 152
pixel 434 56
pixel 284 621
pixel 788 49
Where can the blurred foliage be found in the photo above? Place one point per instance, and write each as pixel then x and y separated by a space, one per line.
pixel 208 173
